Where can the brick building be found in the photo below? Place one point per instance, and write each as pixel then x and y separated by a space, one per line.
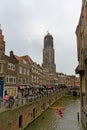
pixel 14 70
pixel 81 33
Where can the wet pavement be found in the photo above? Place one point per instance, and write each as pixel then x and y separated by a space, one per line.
pixel 50 119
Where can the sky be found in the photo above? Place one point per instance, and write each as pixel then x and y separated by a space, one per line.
pixel 26 22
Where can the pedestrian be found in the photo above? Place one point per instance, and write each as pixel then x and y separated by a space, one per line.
pixel 11 101
pixel 6 100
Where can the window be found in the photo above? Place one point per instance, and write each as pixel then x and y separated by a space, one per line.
pixel 20 70
pixel 24 71
pixel 27 81
pixel 24 81
pixel 28 72
pixel 10 79
pixel 11 66
pixel 14 79
pixel 20 80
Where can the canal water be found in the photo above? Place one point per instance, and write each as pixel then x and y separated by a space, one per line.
pixel 50 120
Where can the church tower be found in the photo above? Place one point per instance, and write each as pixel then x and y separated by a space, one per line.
pixel 48 54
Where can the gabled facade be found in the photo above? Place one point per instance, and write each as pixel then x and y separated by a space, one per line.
pixel 23 76
pixel 10 74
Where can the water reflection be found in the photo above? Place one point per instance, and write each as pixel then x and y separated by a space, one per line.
pixel 50 120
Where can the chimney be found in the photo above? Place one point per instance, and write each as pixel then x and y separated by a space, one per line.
pixel 11 54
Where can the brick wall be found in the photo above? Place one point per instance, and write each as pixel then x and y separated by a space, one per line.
pixel 19 118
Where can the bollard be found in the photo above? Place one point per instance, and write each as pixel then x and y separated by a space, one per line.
pixel 78 116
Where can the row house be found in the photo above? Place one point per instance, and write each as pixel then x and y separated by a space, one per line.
pixel 10 74
pixel 42 76
pixel 39 76
pixel 67 80
pixel 8 69
pixel 61 79
pixel 23 75
pixel 35 74
pixel 14 70
pixel 16 74
pixel 70 80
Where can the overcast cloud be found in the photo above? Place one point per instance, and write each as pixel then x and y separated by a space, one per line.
pixel 25 23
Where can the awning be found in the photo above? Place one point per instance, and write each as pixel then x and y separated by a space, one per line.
pixel 23 87
pixel 20 87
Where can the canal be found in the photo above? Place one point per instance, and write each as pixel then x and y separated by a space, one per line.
pixel 50 120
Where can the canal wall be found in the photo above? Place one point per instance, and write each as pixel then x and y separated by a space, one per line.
pixel 84 116
pixel 18 118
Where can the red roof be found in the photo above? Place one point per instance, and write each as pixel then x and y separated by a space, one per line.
pixel 28 59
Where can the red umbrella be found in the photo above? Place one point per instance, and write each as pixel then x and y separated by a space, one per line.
pixel 49 86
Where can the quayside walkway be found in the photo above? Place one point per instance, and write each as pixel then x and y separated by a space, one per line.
pixel 20 101
pixel 24 111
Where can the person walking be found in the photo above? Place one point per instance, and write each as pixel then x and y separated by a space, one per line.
pixel 6 101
